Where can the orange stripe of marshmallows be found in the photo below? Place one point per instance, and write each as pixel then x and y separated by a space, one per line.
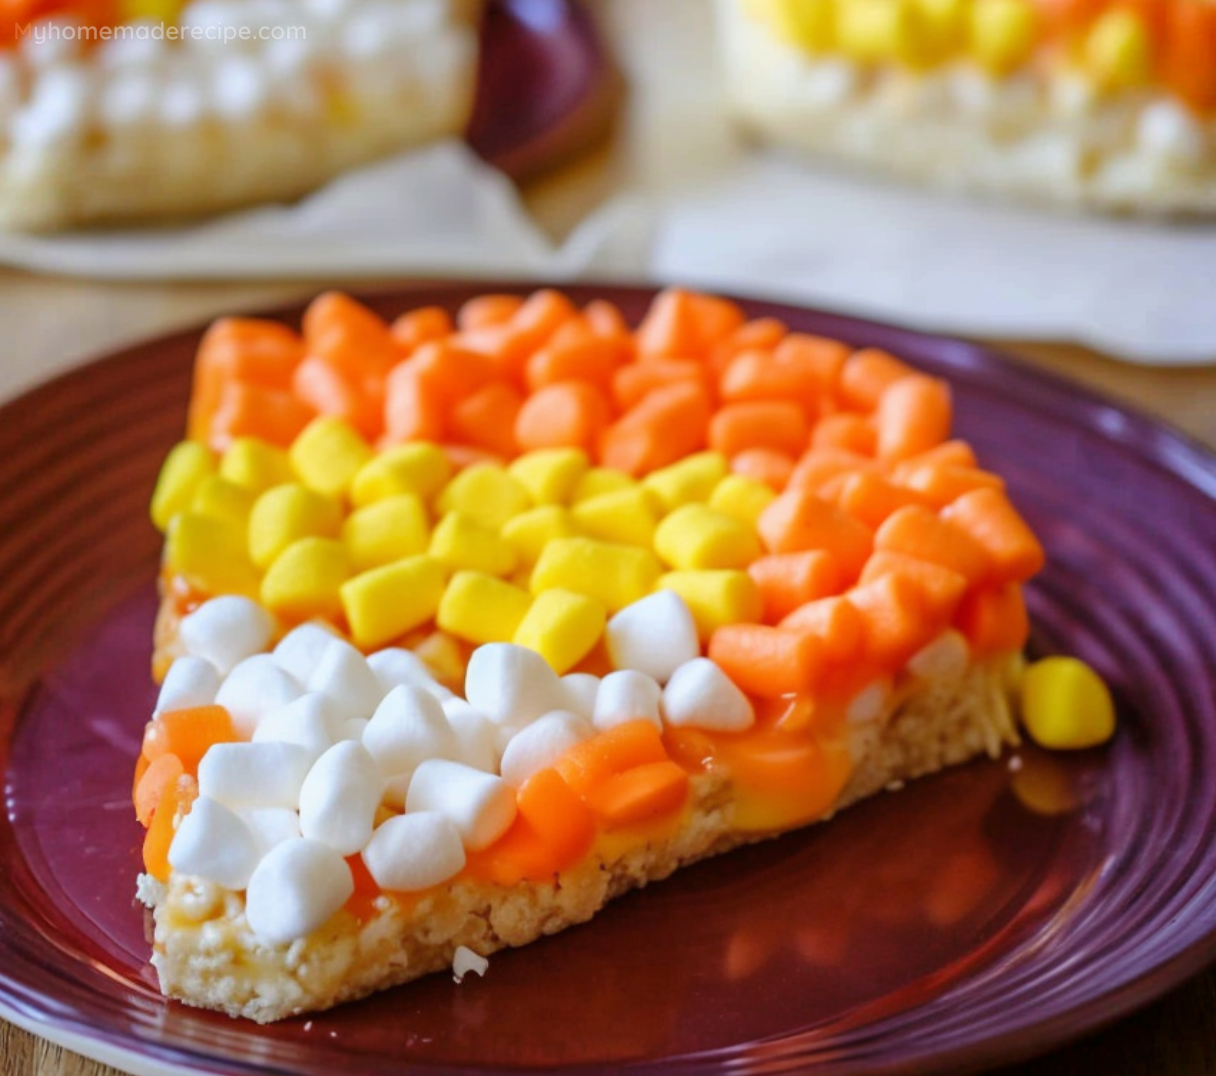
pixel 528 474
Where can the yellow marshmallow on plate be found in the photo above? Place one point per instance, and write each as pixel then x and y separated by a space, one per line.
pixel 328 454
pixel 690 480
pixel 562 627
pixel 743 498
pixel 615 575
pixel 599 480
pixel 486 493
pixel 287 513
pixel 529 532
pixel 716 598
pixel 623 515
pixel 698 537
pixel 550 473
pixel 386 530
pixel 420 468
pixel 218 497
pixel 256 465
pixel 305 578
pixel 386 602
pixel 481 609
pixel 210 554
pixel 1065 705
pixel 185 467
pixel 460 542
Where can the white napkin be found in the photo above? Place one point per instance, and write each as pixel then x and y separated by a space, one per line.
pixel 774 227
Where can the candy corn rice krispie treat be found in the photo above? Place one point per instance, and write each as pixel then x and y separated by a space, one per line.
pixel 114 110
pixel 471 625
pixel 1107 104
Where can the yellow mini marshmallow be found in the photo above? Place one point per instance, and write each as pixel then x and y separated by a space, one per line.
pixel 597 481
pixel 529 532
pixel 386 602
pixel 1003 33
pixel 218 497
pixel 482 609
pixel 562 626
pixel 460 542
pixel 210 554
pixel 256 465
pixel 184 469
pixel 742 498
pixel 941 26
pixel 615 575
pixel 697 537
pixel 486 493
pixel 386 530
pixel 305 578
pixel 690 481
pixel 876 31
pixel 716 598
pixel 549 474
pixel 624 515
pixel 806 24
pixel 1065 705
pixel 328 454
pixel 420 468
pixel 1118 50
pixel 287 513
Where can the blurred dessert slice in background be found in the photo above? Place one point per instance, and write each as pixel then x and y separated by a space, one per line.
pixel 119 110
pixel 1100 104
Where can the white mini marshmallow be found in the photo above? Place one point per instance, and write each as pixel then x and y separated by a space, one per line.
pixel 869 703
pixel 541 744
pixel 339 798
pixel 226 631
pixel 581 689
pixel 476 735
pixel 627 695
pixel 655 635
pixel 298 885
pixel 511 684
pixel 344 675
pixel 254 774
pixel 183 103
pixel 947 655
pixel 255 688
pixel 271 826
pixel 353 729
pixel 239 88
pixel 701 695
pixel 481 804
pixel 299 652
pixel 414 851
pixel 128 99
pixel 408 727
pixel 212 842
pixel 310 721
pixel 189 682
pixel 394 666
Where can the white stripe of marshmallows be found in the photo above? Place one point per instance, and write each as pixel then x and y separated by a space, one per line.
pixel 53 91
pixel 333 736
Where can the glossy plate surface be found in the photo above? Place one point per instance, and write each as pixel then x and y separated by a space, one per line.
pixel 978 916
pixel 546 86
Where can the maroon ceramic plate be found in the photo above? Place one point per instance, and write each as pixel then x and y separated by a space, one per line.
pixel 976 917
pixel 546 86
